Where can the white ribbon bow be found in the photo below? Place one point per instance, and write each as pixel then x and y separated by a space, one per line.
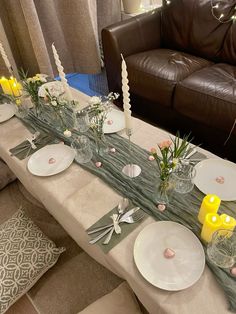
pixel 115 221
pixel 31 140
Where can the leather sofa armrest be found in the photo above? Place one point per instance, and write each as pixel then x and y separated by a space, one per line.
pixel 128 37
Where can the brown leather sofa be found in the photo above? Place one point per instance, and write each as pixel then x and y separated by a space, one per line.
pixel 181 64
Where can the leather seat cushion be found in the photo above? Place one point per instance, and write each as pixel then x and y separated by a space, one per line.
pixel 153 74
pixel 209 96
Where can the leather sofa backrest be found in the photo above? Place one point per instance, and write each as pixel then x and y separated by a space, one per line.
pixel 189 25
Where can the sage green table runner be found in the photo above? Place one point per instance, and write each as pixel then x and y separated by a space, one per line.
pixel 182 209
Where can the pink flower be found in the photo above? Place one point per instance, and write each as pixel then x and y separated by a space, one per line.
pixel 165 144
pixel 153 150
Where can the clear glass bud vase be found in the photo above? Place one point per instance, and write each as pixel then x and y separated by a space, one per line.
pixel 101 143
pixel 162 191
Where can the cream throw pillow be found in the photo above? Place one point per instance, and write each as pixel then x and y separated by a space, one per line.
pixel 25 255
pixel 120 301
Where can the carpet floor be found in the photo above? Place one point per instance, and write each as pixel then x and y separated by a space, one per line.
pixel 74 282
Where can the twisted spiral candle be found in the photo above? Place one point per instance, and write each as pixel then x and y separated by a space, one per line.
pixel 126 95
pixel 5 58
pixel 62 74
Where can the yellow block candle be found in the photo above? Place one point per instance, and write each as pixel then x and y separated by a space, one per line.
pixel 211 224
pixel 210 204
pixel 15 87
pixel 6 87
pixel 228 222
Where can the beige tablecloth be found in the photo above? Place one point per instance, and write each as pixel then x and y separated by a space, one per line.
pixel 77 199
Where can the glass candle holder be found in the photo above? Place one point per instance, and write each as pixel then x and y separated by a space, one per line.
pixel 83 150
pixel 82 121
pixel 182 178
pixel 222 248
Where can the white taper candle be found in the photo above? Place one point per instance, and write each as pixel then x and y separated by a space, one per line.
pixel 62 74
pixel 5 58
pixel 126 95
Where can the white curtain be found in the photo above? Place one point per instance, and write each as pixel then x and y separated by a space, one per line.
pixel 31 26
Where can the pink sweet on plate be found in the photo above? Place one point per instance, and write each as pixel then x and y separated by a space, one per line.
pixel 98 164
pixel 169 253
pixel 151 158
pixel 110 122
pixel 51 161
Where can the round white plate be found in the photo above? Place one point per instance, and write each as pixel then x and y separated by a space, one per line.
pixel 114 122
pixel 50 160
pixel 55 88
pixel 6 112
pixel 177 273
pixel 217 176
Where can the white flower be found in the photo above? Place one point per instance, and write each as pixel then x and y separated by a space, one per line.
pixel 42 77
pixel 95 100
pixel 54 103
pixel 67 133
pixel 29 79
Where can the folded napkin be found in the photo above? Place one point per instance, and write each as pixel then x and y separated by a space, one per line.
pixel 126 229
pixel 25 149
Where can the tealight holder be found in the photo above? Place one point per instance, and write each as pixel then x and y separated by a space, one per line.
pixel 131 170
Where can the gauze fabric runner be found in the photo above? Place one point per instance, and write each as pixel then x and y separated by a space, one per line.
pixel 182 209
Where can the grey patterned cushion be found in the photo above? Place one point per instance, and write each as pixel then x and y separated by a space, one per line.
pixel 25 255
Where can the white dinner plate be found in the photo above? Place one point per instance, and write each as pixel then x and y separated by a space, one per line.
pixel 114 122
pixel 173 274
pixel 6 112
pixel 55 88
pixel 217 176
pixel 50 160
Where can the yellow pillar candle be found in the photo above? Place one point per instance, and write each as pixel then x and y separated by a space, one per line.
pixel 228 222
pixel 5 86
pixel 210 204
pixel 15 87
pixel 211 224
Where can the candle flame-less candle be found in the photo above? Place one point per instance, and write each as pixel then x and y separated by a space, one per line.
pixel 126 95
pixel 228 222
pixel 210 204
pixel 62 74
pixel 211 224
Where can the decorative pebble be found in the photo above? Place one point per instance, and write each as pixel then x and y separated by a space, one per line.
pixel 110 122
pixel 51 161
pixel 161 207
pixel 98 164
pixel 67 133
pixel 233 271
pixel 151 158
pixel 169 253
pixel 112 150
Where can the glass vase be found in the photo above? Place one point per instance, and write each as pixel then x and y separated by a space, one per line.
pixel 162 191
pixel 101 143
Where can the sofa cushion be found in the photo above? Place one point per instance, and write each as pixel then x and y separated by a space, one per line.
pixel 209 96
pixel 25 255
pixel 121 300
pixel 189 25
pixel 153 74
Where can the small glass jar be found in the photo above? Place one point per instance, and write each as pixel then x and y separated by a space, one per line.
pixel 222 248
pixel 182 178
pixel 82 121
pixel 83 150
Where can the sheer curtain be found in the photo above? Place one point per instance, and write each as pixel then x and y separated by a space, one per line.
pixel 31 26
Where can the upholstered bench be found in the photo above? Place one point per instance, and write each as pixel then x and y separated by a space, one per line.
pixel 120 300
pixel 6 175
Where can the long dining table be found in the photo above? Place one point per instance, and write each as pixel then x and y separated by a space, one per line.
pixel 77 199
